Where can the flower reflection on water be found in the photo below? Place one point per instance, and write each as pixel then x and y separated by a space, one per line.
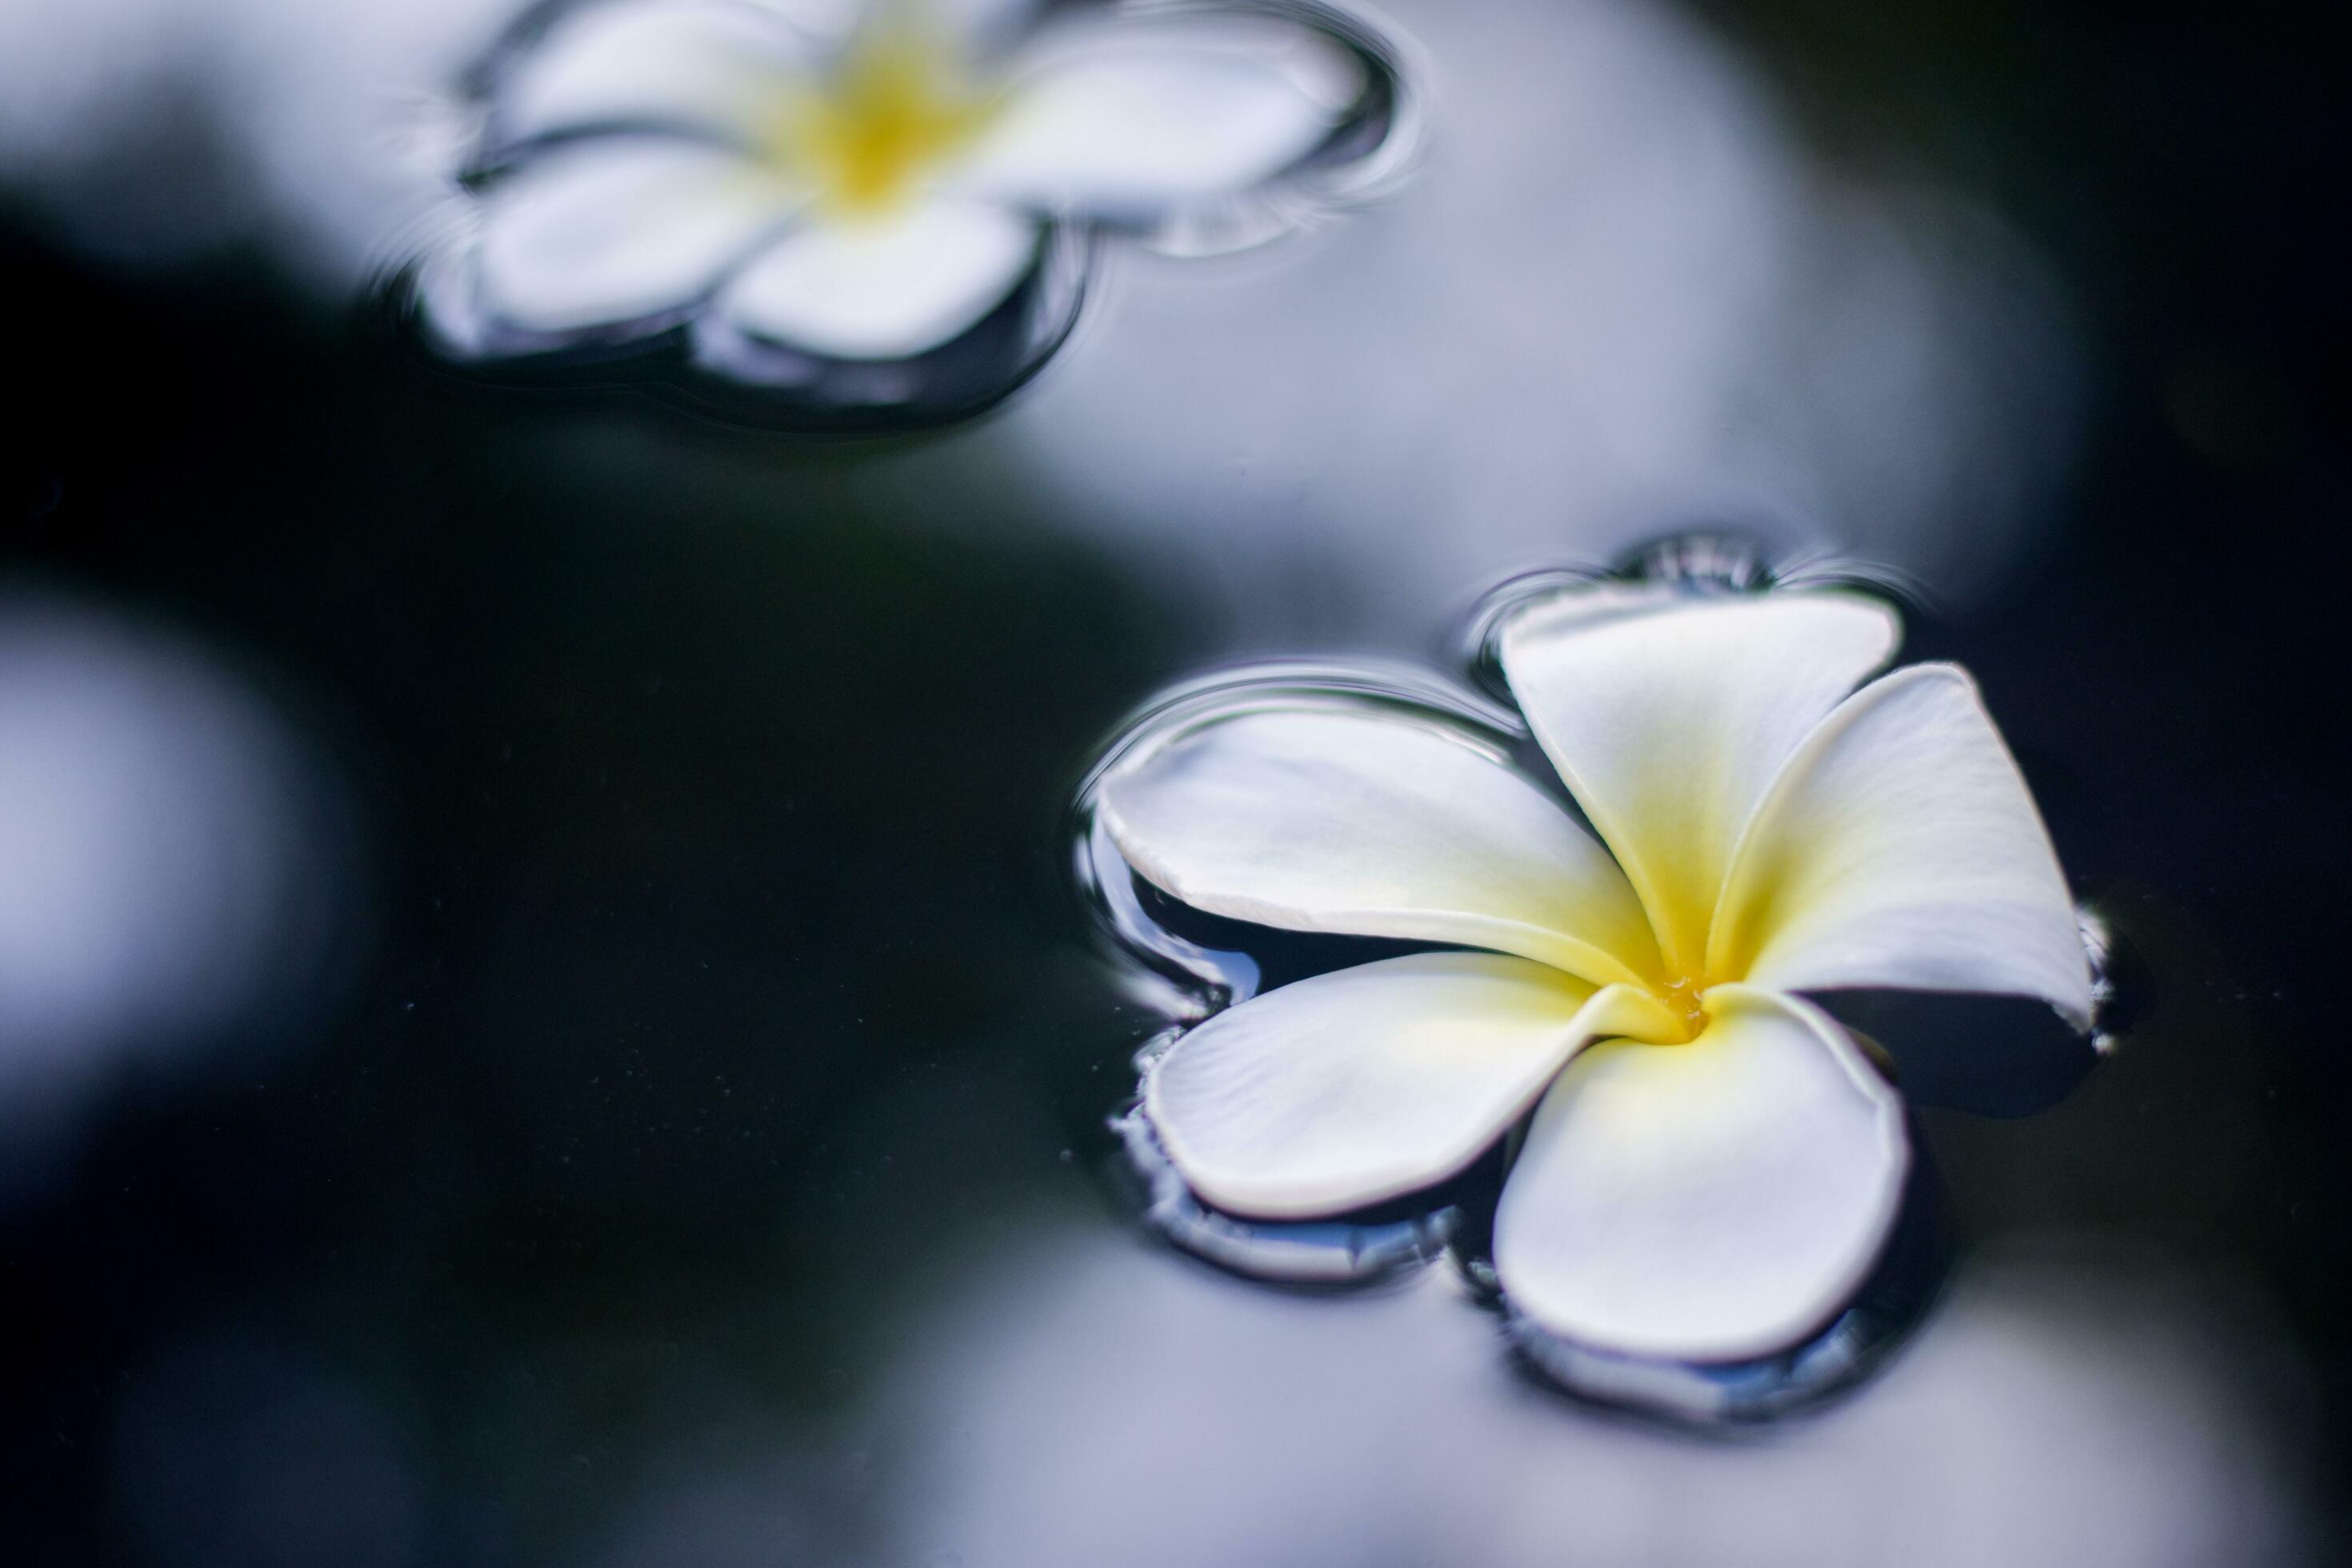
pixel 877 214
pixel 1702 1212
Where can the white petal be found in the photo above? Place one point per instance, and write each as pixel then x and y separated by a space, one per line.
pixel 1124 118
pixel 1902 848
pixel 611 231
pixel 1716 1201
pixel 884 287
pixel 1669 715
pixel 721 67
pixel 1370 1082
pixel 1375 825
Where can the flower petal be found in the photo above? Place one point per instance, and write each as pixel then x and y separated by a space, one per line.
pixel 1375 825
pixel 1716 1201
pixel 1901 848
pixel 1123 119
pixel 715 68
pixel 1668 716
pixel 1369 1082
pixel 617 231
pixel 884 287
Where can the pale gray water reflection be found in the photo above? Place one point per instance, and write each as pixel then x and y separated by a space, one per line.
pixel 1620 295
pixel 1620 292
pixel 173 870
pixel 156 133
pixel 1083 1402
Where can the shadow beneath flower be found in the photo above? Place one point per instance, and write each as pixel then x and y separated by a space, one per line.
pixel 1371 1245
pixel 1999 1056
pixel 726 371
pixel 1990 1056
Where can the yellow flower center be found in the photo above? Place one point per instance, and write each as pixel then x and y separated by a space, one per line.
pixel 896 104
pixel 1685 999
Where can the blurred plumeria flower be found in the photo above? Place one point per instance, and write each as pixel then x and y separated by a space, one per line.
pixel 1713 1163
pixel 824 201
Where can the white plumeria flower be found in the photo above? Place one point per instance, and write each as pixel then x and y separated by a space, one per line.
pixel 1713 1163
pixel 852 182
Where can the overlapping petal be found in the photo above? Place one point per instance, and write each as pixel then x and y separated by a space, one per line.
pixel 1901 848
pixel 1715 1201
pixel 1370 1082
pixel 884 287
pixel 1669 716
pixel 602 234
pixel 1123 118
pixel 709 68
pixel 1371 822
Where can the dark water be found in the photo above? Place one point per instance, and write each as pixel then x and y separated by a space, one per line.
pixel 678 1131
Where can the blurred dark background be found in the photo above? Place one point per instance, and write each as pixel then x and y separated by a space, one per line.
pixel 688 998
